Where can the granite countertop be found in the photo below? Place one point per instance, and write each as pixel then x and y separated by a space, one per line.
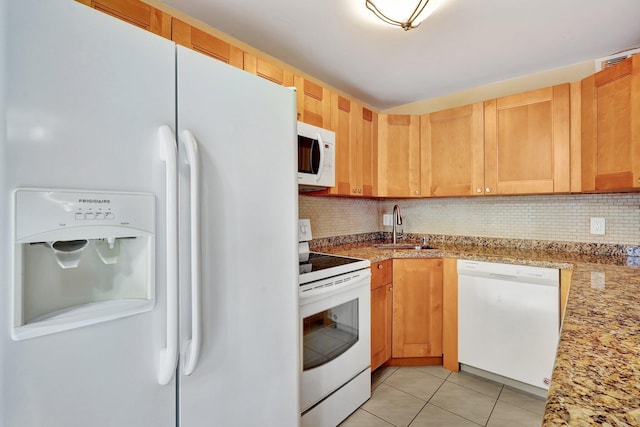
pixel 596 379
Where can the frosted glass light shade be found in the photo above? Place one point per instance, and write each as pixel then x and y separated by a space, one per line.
pixel 406 14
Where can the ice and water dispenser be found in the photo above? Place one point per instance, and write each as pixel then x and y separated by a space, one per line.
pixel 80 258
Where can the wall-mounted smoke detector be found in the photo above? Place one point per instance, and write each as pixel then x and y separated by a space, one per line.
pixel 608 61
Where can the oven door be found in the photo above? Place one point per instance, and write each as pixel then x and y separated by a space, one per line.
pixel 336 338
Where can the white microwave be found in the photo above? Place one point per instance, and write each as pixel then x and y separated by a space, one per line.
pixel 316 157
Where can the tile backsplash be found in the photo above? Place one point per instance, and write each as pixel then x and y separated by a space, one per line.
pixel 555 217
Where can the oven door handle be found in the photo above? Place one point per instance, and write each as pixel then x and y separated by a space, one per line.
pixel 193 345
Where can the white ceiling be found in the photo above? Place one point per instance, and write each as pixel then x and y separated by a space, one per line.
pixel 462 44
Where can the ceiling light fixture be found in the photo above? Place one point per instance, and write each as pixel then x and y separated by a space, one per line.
pixel 400 13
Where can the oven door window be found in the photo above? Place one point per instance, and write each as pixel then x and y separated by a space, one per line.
pixel 308 155
pixel 329 333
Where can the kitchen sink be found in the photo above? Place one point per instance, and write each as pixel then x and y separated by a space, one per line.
pixel 402 246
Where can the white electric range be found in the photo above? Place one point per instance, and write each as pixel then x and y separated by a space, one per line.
pixel 336 334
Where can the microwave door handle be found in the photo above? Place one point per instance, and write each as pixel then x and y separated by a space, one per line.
pixel 313 142
pixel 321 163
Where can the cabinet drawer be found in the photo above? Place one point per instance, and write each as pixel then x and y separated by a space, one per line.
pixel 381 273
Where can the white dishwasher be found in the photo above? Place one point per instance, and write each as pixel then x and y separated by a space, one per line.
pixel 508 319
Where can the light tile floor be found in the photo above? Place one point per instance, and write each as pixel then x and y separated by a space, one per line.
pixel 425 396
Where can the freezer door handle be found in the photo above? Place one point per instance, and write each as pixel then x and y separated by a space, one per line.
pixel 169 154
pixel 192 350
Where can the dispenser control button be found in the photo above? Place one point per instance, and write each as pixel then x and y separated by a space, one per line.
pixel 99 215
pixel 108 215
pixel 79 216
pixel 90 215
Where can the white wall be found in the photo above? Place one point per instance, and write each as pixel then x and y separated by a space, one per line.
pixel 556 217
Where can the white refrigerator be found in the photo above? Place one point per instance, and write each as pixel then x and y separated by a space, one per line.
pixel 208 333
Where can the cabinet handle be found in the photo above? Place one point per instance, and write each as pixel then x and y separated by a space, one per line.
pixel 487 190
pixel 417 192
pixel 379 266
pixel 479 190
pixel 359 190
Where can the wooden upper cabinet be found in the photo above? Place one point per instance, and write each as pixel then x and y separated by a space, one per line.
pixel 611 128
pixel 417 308
pixel 267 70
pixel 369 122
pixel 398 156
pixel 314 103
pixel 345 124
pixel 198 40
pixel 354 127
pixel 527 142
pixel 452 152
pixel 135 12
pixel 576 138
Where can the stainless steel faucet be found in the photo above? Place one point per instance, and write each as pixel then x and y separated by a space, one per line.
pixel 397 220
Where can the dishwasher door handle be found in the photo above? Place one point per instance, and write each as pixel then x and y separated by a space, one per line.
pixel 505 276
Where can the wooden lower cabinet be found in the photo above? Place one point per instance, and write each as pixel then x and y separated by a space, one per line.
pixel 417 308
pixel 450 314
pixel 381 306
pixel 565 284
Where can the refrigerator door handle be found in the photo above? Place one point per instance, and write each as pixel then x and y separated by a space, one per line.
pixel 192 351
pixel 169 354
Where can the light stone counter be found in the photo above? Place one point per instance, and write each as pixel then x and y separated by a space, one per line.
pixel 596 379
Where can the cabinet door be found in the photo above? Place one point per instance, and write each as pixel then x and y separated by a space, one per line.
pixel 344 124
pixel 452 151
pixel 398 156
pixel 200 41
pixel 381 313
pixel 267 70
pixel 356 151
pixel 527 142
pixel 381 273
pixel 135 12
pixel 417 308
pixel 314 103
pixel 611 128
pixel 369 147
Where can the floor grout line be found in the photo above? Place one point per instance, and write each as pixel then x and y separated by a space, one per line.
pixel 494 405
pixel 448 379
pixel 378 417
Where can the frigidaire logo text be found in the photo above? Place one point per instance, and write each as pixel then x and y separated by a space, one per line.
pixel 94 200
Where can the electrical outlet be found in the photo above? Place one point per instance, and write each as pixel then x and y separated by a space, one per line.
pixel 597 225
pixel 387 219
